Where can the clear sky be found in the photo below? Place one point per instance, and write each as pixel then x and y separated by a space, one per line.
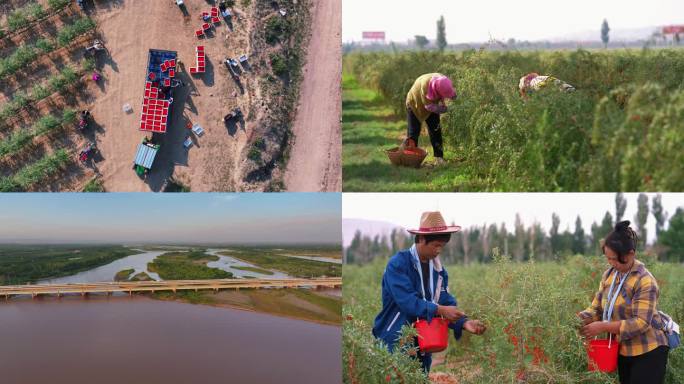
pixel 475 21
pixel 468 209
pixel 170 218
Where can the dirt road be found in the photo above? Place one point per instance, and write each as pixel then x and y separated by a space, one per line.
pixel 315 160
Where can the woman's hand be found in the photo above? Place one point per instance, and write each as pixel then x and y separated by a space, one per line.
pixel 436 108
pixel 475 327
pixel 593 329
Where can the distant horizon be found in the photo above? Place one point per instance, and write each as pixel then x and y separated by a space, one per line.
pixel 134 244
pixel 523 20
pixel 195 218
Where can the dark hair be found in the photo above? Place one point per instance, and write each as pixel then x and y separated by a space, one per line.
pixel 438 237
pixel 622 240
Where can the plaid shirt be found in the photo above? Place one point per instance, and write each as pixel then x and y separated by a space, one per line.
pixel 635 308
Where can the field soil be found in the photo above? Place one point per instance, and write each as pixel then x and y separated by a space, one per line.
pixel 315 161
pixel 130 29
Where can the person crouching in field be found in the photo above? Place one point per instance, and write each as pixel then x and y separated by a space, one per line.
pixel 425 101
pixel 627 302
pixel 533 82
pixel 415 286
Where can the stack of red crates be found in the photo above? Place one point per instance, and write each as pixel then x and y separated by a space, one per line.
pixel 155 111
pixel 201 60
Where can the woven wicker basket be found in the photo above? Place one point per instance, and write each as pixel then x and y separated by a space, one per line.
pixel 408 158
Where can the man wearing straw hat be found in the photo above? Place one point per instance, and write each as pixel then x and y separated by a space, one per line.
pixel 414 286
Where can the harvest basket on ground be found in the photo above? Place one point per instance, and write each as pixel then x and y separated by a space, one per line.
pixel 412 157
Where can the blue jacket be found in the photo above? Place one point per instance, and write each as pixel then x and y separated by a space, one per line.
pixel 403 301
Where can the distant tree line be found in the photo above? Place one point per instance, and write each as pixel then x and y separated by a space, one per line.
pixel 522 243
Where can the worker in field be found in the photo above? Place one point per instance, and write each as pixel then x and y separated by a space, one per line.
pixel 425 102
pixel 415 286
pixel 533 82
pixel 625 307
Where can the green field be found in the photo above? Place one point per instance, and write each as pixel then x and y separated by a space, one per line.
pixel 22 264
pixel 190 265
pixel 271 259
pixel 613 134
pixel 535 302
pixel 368 129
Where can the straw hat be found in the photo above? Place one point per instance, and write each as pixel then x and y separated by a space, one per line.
pixel 432 223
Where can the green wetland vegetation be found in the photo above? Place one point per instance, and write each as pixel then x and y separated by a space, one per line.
pixel 25 264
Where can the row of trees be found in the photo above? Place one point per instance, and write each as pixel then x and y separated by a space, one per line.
pixel 475 244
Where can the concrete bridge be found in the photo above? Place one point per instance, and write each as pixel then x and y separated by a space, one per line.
pixel 168 285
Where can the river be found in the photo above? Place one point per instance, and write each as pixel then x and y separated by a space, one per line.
pixel 140 340
pixel 139 261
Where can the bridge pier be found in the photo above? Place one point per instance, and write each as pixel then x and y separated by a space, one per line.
pixel 33 295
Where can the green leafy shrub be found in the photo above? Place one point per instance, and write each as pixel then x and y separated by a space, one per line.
pixel 607 135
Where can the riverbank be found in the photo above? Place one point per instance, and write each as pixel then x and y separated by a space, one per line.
pixel 293 266
pixel 320 307
pixel 26 264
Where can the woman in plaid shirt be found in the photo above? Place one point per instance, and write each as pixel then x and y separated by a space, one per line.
pixel 643 346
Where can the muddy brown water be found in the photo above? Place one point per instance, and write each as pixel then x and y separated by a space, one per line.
pixel 141 340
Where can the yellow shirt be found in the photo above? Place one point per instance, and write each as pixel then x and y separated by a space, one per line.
pixel 416 99
pixel 635 308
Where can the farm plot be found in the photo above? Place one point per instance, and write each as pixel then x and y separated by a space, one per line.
pixel 45 78
pixel 529 309
pixel 42 81
pixel 612 134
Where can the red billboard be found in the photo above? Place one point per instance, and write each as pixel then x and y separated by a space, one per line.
pixel 374 35
pixel 672 29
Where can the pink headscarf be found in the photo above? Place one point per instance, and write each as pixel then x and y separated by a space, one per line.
pixel 440 87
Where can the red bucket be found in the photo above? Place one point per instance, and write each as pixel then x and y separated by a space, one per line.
pixel 602 357
pixel 432 336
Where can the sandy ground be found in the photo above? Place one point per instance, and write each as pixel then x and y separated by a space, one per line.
pixel 315 160
pixel 129 29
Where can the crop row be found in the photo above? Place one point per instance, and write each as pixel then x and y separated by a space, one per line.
pixel 25 55
pixel 33 12
pixel 58 83
pixel 43 126
pixel 43 169
pixel 614 133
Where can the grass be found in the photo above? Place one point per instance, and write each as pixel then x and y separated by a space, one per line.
pixel 269 259
pixel 94 185
pixel 23 264
pixel 368 129
pixel 253 269
pixel 186 266
pixel 123 275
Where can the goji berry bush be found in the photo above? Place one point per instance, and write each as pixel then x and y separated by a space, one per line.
pixel 614 133
pixel 529 309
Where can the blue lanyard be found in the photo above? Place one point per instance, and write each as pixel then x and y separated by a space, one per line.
pixel 612 296
pixel 414 253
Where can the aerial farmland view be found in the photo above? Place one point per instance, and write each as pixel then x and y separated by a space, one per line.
pixel 186 95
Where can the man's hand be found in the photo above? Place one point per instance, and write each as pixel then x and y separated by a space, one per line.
pixel 450 313
pixel 475 327
pixel 593 329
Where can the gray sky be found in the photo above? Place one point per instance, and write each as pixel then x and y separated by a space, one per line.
pixel 467 209
pixel 475 21
pixel 170 218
